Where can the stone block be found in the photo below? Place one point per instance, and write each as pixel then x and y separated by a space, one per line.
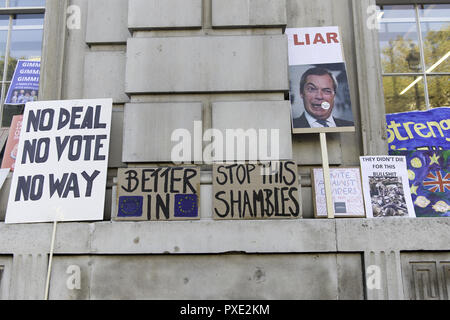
pixel 5 276
pixel 148 129
pixel 104 76
pixel 253 117
pixel 107 21
pixel 426 275
pixel 276 236
pixel 248 13
pixel 116 141
pixel 385 234
pixel 71 278
pixel 164 14
pixel 207 64
pixel 231 277
pixel 306 149
pixel 4 196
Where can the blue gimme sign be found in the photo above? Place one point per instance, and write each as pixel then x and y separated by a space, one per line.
pixel 25 83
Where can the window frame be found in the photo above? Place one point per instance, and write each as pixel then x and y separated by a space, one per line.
pixel 12 11
pixel 418 21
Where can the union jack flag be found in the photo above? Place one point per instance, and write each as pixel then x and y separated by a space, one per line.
pixel 435 182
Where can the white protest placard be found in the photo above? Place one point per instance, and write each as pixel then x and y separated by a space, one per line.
pixel 319 86
pixel 62 162
pixel 314 45
pixel 386 187
pixel 346 191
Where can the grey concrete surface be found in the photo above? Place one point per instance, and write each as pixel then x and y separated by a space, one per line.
pixel 232 276
pixel 248 13
pixel 115 146
pixel 148 129
pixel 308 241
pixel 164 14
pixel 393 234
pixel 251 117
pixel 207 56
pixel 206 64
pixel 426 276
pixel 107 21
pixel 5 276
pixel 103 76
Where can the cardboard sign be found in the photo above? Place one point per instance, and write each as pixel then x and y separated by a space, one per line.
pixel 256 191
pixel 62 160
pixel 346 192
pixel 10 154
pixel 25 83
pixel 158 194
pixel 319 89
pixel 386 188
pixel 419 130
pixel 429 180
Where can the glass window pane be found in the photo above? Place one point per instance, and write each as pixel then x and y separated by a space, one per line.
pixel 399 44
pixel 26 44
pixel 26 39
pixel 28 20
pixel 435 11
pixel 27 3
pixel 403 94
pixel 3 37
pixel 2 3
pixel 398 11
pixel 4 21
pixel 11 68
pixel 436 43
pixel 439 91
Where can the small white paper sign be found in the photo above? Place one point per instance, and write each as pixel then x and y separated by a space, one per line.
pixel 386 187
pixel 314 45
pixel 346 192
pixel 62 162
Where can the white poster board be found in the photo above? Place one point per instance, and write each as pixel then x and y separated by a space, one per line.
pixel 346 190
pixel 319 86
pixel 62 162
pixel 386 187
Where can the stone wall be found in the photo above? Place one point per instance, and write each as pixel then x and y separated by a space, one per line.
pixel 167 63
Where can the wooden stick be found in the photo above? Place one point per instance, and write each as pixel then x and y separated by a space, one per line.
pixel 326 175
pixel 49 270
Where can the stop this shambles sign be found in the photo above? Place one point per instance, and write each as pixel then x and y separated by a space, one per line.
pixel 61 164
pixel 256 191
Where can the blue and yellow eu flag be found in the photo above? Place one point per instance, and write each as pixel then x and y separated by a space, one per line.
pixel 186 206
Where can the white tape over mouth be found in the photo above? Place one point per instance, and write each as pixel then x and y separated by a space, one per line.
pixel 326 105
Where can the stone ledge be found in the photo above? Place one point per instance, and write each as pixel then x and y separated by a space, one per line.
pixel 205 237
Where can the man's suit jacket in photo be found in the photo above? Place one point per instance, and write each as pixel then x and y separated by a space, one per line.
pixel 301 122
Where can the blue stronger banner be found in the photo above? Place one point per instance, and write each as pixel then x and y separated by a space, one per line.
pixel 419 130
pixel 25 82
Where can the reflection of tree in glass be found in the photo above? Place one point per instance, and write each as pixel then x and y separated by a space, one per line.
pixel 436 46
pixel 12 62
pixel 401 56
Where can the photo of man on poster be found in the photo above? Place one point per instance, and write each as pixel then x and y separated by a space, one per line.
pixel 319 92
